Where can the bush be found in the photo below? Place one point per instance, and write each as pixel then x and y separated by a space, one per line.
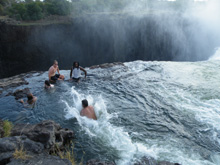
pixel 17 11
pixel 20 154
pixel 1 10
pixel 58 7
pixel 7 126
pixel 36 10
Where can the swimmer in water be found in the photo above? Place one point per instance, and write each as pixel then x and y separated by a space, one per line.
pixel 31 99
pixel 87 110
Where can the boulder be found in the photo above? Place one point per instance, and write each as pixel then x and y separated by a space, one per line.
pixel 42 159
pixel 12 82
pixel 9 144
pixel 34 150
pixel 47 132
pixel 1 128
pixel 98 162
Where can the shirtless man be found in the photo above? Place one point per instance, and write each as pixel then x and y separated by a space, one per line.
pixel 88 111
pixel 52 72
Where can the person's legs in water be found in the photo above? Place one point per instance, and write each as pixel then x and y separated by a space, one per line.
pixel 61 77
pixel 76 79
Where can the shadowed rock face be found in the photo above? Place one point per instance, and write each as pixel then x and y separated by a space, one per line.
pixel 98 162
pixel 34 151
pixel 95 40
pixel 36 140
pixel 47 132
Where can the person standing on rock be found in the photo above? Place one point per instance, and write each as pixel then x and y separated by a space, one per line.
pixel 76 71
pixel 87 110
pixel 52 72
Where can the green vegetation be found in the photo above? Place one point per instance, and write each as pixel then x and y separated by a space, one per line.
pixel 20 154
pixel 67 153
pixel 34 10
pixel 7 126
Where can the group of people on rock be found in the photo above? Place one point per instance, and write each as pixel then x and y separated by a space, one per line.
pixel 75 73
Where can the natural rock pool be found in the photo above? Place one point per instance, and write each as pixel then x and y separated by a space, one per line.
pixel 165 110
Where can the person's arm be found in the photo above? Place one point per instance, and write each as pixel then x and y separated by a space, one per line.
pixel 71 71
pixel 22 101
pixel 58 71
pixel 81 113
pixel 83 71
pixel 49 74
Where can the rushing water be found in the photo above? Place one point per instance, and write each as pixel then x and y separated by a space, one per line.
pixel 166 110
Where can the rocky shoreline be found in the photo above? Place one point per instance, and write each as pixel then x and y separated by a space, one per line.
pixel 39 140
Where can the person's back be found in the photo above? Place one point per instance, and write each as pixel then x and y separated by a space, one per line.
pixel 88 111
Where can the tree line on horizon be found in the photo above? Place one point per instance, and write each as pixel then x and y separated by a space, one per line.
pixel 36 9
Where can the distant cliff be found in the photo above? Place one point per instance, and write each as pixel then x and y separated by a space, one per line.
pixel 97 39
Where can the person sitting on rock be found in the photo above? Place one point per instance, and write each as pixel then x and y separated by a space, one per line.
pixel 48 85
pixel 31 99
pixel 52 72
pixel 88 111
pixel 76 71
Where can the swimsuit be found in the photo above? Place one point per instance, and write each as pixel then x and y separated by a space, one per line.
pixel 55 77
pixel 76 74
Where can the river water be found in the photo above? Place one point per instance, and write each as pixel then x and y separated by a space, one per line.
pixel 166 110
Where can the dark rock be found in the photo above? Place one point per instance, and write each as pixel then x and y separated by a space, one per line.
pixel 47 132
pixel 12 82
pixel 34 150
pixel 20 93
pixel 106 65
pixel 9 144
pixel 1 128
pixel 42 159
pixel 151 161
pixel 98 162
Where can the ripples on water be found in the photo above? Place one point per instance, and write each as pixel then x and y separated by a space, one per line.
pixel 167 110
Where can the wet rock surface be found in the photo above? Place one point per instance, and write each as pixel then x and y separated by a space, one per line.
pixel 151 161
pixel 98 162
pixel 36 141
pixel 18 80
pixel 8 145
pixel 12 82
pixel 106 65
pixel 47 132
pixel 42 159
pixel 1 128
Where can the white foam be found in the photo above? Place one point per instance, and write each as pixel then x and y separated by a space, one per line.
pixel 216 56
pixel 116 137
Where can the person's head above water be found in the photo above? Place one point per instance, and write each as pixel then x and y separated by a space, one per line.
pixel 76 64
pixel 85 103
pixel 30 96
pixel 47 83
pixel 55 64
